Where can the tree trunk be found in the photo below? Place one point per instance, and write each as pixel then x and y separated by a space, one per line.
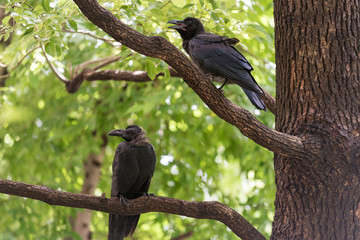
pixel 92 168
pixel 318 100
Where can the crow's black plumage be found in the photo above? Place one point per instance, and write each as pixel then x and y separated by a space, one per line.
pixel 216 55
pixel 133 167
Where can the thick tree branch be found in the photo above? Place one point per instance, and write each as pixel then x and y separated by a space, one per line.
pixel 270 102
pixel 158 47
pixel 201 210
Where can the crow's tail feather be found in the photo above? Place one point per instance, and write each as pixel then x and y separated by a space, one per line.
pixel 255 99
pixel 121 226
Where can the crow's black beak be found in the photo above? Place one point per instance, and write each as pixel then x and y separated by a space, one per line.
pixel 116 132
pixel 120 133
pixel 178 24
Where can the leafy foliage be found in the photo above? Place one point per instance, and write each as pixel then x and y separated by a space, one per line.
pixel 46 134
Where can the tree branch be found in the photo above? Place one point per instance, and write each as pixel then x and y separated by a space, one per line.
pixel 270 102
pixel 158 47
pixel 122 75
pixel 90 75
pixel 102 63
pixel 201 210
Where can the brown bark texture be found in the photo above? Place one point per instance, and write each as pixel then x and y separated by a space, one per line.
pixel 201 210
pixel 318 99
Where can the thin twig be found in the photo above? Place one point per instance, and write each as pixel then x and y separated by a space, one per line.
pixel 18 63
pixel 100 60
pixel 55 71
pixel 107 62
pixel 106 40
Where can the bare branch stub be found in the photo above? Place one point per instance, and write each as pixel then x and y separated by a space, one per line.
pixel 201 210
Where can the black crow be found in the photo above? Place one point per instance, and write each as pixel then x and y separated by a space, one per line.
pixel 217 56
pixel 133 167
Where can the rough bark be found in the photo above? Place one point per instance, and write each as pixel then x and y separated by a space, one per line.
pixel 201 210
pixel 318 86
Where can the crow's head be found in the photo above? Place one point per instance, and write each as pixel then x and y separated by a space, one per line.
pixel 188 28
pixel 130 134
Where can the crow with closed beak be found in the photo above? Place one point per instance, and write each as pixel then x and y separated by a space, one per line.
pixel 133 167
pixel 217 56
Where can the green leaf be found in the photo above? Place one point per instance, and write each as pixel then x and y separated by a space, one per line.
pixel 238 16
pixel 29 30
pixel 5 20
pixel 255 30
pixel 157 12
pixel 166 75
pixel 73 25
pixel 46 5
pixel 38 9
pixel 214 16
pixel 151 69
pixel 6 37
pixel 213 4
pixel 179 3
pixel 50 49
pixel 58 50
pixel 189 5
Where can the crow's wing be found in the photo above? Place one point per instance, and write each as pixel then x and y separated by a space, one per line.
pixel 125 170
pixel 146 159
pixel 216 54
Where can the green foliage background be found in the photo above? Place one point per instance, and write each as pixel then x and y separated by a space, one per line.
pixel 46 133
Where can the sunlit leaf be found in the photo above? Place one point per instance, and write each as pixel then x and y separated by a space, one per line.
pixel 213 4
pixel 151 69
pixel 73 25
pixel 179 3
pixel 29 30
pixel 50 49
pixel 46 5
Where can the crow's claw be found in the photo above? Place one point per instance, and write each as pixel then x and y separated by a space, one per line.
pixel 123 200
pixel 147 194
